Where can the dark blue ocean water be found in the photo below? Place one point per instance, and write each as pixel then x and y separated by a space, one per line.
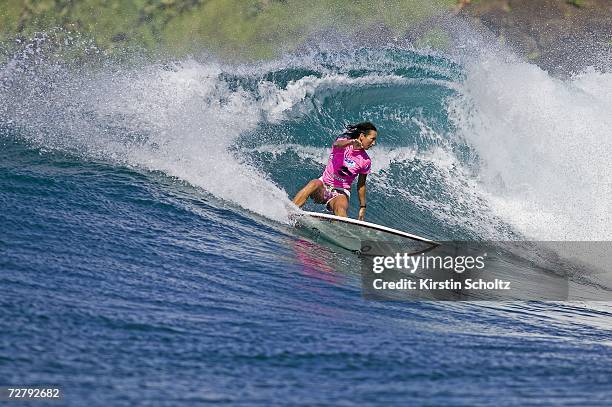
pixel 147 259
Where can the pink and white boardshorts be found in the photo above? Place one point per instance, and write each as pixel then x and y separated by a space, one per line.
pixel 330 192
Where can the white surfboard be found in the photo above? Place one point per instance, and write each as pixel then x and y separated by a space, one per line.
pixel 352 233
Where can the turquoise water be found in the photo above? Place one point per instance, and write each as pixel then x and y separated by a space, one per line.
pixel 147 255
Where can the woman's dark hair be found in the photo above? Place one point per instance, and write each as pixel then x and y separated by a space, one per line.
pixel 353 130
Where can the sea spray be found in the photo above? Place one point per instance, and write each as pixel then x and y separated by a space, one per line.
pixel 544 146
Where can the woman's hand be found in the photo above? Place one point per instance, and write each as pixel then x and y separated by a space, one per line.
pixel 362 212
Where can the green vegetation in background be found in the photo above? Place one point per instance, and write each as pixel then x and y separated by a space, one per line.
pixel 110 22
pixel 232 28
pixel 9 17
pixel 257 29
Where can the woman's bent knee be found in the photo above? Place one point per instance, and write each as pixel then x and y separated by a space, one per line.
pixel 315 183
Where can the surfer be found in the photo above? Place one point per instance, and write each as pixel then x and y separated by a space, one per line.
pixel 347 160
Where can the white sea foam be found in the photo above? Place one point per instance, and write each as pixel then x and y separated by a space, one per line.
pixel 193 120
pixel 545 147
pixel 182 120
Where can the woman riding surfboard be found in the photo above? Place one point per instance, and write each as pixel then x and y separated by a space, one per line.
pixel 348 159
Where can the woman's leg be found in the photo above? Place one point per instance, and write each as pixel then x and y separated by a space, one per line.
pixel 339 205
pixel 312 189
